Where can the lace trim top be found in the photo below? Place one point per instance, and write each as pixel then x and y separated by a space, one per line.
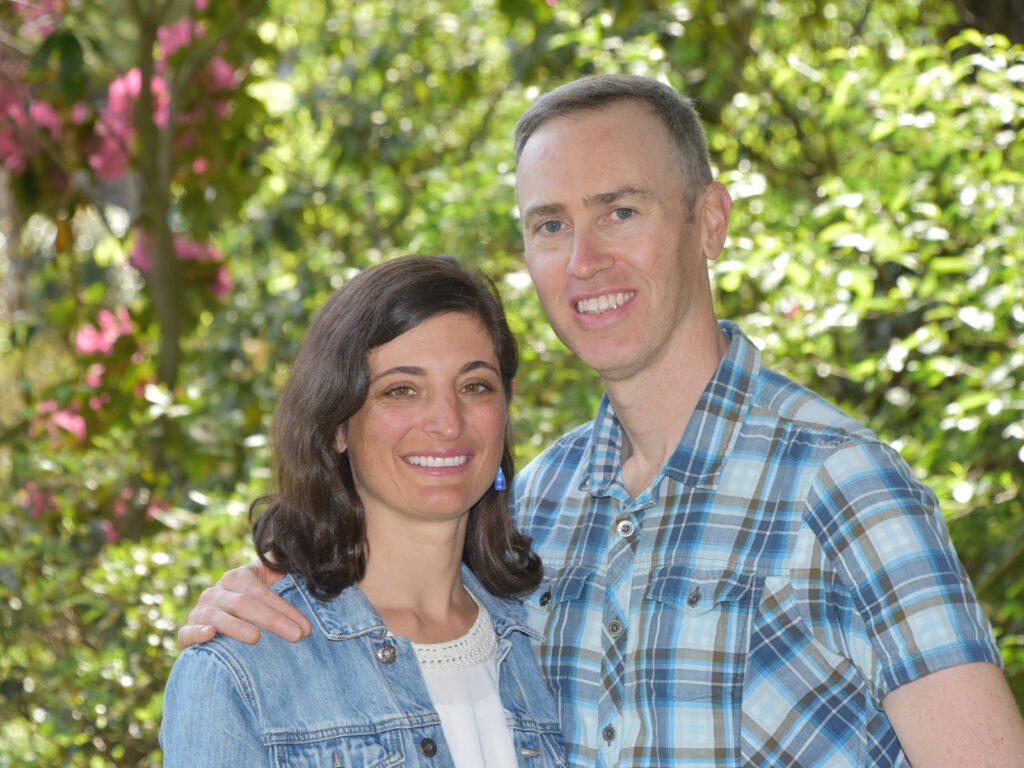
pixel 473 648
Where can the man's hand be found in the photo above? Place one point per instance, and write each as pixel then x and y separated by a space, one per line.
pixel 239 604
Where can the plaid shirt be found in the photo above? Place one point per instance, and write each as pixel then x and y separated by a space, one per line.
pixel 781 575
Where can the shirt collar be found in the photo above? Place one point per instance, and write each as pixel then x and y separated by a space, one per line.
pixel 709 436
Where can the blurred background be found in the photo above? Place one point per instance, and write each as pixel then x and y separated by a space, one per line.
pixel 184 182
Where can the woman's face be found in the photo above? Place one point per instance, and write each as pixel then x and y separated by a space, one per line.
pixel 428 440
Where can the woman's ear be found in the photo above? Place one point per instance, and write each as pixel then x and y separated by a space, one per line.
pixel 341 437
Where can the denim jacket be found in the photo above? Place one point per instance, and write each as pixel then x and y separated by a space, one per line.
pixel 348 695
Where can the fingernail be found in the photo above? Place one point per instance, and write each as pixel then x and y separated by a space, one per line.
pixel 295 635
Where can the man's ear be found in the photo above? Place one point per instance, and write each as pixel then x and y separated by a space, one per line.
pixel 715 205
pixel 341 437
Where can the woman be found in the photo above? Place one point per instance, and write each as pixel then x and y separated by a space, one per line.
pixel 390 518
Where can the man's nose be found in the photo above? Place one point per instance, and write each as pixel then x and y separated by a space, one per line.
pixel 589 255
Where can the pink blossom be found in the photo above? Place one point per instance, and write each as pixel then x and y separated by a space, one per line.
pixel 100 341
pixel 94 376
pixel 109 531
pixel 221 75
pixel 71 422
pixel 79 113
pixel 141 257
pixel 20 137
pixel 115 127
pixel 177 35
pixel 43 115
pixel 222 283
pixel 47 406
pixel 200 5
pixel 200 166
pixel 35 499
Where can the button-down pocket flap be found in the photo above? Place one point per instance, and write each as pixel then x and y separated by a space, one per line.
pixel 696 591
pixel 570 584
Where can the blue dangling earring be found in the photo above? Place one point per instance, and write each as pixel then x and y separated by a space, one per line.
pixel 499 481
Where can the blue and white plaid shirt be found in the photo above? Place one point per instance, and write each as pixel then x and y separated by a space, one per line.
pixel 782 574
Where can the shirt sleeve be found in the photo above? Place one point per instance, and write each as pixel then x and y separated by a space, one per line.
pixel 884 533
pixel 207 722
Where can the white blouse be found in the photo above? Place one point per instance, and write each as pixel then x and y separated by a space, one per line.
pixel 462 679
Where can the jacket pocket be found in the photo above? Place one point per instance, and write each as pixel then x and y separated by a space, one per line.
pixel 364 751
pixel 698 629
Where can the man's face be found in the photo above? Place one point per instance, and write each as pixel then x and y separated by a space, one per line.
pixel 616 256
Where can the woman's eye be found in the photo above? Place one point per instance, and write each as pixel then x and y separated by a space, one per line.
pixel 401 390
pixel 478 387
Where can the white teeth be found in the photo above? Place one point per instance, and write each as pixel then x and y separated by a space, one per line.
pixel 436 461
pixel 601 304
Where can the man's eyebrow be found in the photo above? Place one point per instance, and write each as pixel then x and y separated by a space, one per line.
pixel 615 195
pixel 591 201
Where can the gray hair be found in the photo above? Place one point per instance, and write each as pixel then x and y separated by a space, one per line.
pixel 596 92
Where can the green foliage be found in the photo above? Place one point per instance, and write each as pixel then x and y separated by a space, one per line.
pixel 876 165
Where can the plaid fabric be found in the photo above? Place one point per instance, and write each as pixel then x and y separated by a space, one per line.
pixel 752 607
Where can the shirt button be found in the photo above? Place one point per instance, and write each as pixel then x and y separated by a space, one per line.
pixel 608 734
pixel 545 598
pixel 693 598
pixel 614 627
pixel 428 747
pixel 386 654
pixel 625 529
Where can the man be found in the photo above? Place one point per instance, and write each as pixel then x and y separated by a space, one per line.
pixel 736 572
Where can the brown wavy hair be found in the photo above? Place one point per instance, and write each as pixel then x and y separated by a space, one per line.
pixel 314 526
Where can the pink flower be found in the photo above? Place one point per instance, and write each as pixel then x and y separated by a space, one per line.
pixel 200 5
pixel 177 35
pixel 43 115
pixel 200 166
pixel 100 341
pixel 35 499
pixel 222 284
pixel 70 422
pixel 79 113
pixel 94 376
pixel 221 75
pixel 109 531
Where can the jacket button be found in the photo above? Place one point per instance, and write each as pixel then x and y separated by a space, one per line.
pixel 386 654
pixel 625 529
pixel 608 734
pixel 545 598
pixel 428 747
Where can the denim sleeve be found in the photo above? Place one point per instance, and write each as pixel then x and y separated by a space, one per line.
pixel 208 721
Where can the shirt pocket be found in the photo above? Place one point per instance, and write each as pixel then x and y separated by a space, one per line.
pixel 365 751
pixel 697 631
pixel 557 610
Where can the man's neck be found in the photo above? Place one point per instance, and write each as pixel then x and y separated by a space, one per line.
pixel 655 406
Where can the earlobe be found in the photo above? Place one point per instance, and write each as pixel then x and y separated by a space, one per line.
pixel 340 439
pixel 715 211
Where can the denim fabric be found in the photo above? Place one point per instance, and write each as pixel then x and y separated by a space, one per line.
pixel 349 695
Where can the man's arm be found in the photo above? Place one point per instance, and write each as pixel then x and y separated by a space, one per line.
pixel 958 716
pixel 239 604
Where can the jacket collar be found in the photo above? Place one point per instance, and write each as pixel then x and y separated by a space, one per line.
pixel 350 614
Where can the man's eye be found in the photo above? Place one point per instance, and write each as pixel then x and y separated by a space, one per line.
pixel 624 213
pixel 551 227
